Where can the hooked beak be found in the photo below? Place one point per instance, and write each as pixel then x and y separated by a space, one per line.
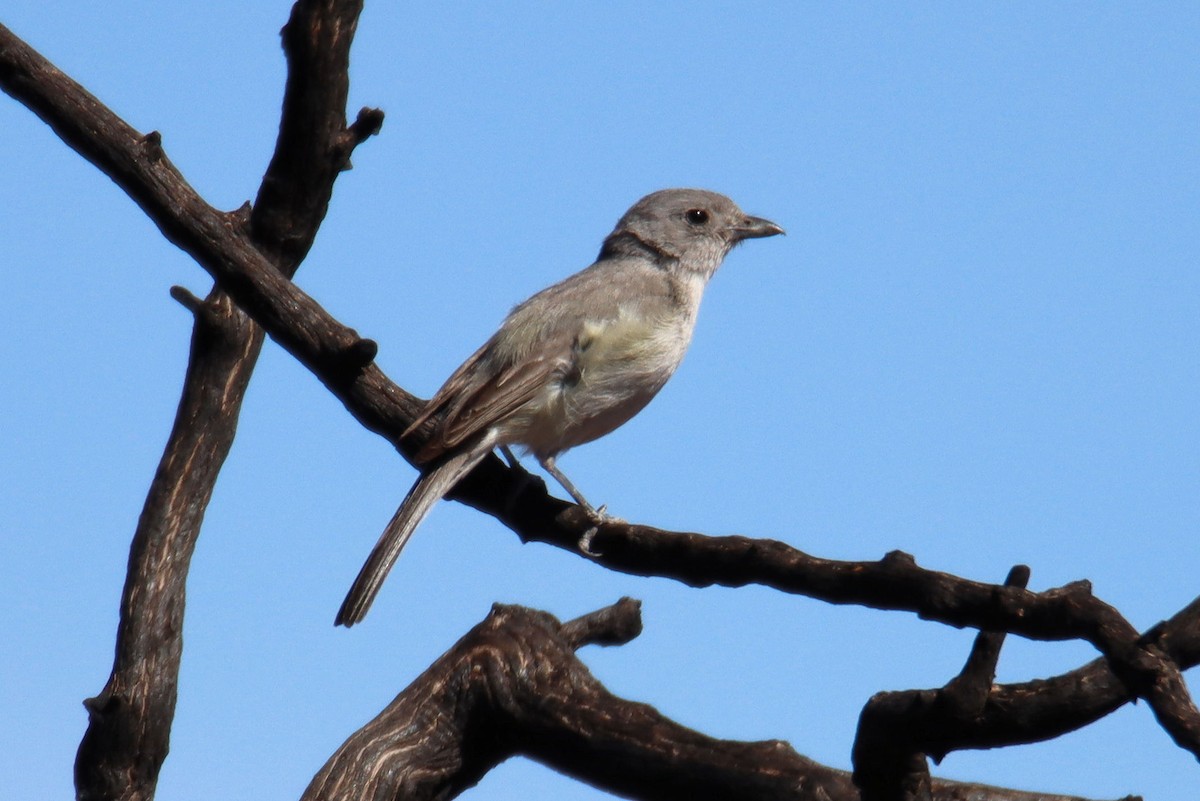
pixel 755 228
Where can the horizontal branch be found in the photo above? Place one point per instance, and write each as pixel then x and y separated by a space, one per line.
pixel 342 360
pixel 513 686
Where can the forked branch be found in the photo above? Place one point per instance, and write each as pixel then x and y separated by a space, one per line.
pixel 513 686
pixel 250 254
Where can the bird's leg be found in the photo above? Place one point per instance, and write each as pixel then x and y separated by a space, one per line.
pixel 512 460
pixel 597 515
pixel 550 467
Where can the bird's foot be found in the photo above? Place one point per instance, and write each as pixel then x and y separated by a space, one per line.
pixel 598 518
pixel 585 543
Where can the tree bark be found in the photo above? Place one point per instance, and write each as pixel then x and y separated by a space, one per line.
pixel 128 735
pixel 513 686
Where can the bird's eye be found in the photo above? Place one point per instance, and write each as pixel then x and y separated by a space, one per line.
pixel 696 216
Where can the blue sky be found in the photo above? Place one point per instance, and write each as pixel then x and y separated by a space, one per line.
pixel 978 343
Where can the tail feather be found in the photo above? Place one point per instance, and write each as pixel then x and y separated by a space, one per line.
pixel 428 490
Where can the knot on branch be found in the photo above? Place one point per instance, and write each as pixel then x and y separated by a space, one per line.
pixel 368 123
pixel 151 146
pixel 360 353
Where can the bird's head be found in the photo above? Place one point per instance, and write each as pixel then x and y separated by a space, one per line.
pixel 693 227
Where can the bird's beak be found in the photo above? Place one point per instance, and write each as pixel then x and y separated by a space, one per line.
pixel 755 228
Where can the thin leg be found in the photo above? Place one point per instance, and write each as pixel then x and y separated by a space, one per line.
pixel 513 462
pixel 597 515
pixel 552 469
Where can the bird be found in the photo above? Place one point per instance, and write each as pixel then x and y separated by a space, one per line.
pixel 573 362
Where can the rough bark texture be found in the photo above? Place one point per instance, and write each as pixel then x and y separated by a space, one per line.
pixel 129 722
pixel 128 735
pixel 513 686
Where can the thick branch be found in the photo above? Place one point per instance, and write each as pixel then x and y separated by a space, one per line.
pixel 513 686
pixel 339 357
pixel 130 720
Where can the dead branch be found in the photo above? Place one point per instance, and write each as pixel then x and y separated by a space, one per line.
pixel 339 357
pixel 130 720
pixel 513 686
pixel 245 252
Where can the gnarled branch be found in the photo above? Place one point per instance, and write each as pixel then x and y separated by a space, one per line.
pixel 246 251
pixel 513 686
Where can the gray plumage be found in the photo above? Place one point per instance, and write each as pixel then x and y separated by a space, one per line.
pixel 574 361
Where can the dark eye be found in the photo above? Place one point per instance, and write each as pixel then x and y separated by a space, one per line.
pixel 696 216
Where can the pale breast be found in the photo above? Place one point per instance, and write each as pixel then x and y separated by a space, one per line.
pixel 619 366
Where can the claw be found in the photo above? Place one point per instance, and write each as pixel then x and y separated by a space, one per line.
pixel 598 517
pixel 585 542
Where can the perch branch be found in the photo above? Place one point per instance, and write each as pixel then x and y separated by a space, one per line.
pixel 341 359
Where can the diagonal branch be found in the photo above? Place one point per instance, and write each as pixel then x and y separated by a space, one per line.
pixel 223 245
pixel 130 720
pixel 342 361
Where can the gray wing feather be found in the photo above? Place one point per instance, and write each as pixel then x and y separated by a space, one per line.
pixel 535 343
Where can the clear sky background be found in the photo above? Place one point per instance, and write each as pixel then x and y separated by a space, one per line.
pixel 978 343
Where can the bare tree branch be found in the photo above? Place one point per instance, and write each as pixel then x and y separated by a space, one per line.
pixel 340 358
pixel 897 729
pixel 592 736
pixel 513 686
pixel 1044 709
pixel 130 720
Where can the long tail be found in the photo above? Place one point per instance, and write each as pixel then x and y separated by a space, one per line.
pixel 428 490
